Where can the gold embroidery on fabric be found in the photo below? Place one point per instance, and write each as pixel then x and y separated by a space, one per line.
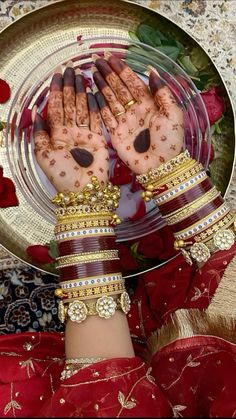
pixel 126 404
pixel 176 409
pixel 51 383
pixel 28 364
pixel 12 404
pixel 149 376
pixel 125 401
pixel 104 379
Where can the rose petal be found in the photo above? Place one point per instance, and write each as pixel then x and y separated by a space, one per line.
pixel 39 253
pixel 5 91
pixel 121 174
pixel 215 104
pixel 8 196
pixel 26 119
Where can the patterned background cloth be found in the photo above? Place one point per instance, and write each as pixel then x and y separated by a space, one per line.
pixel 27 300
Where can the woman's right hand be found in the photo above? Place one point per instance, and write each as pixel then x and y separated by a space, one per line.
pixel 69 145
pixel 145 126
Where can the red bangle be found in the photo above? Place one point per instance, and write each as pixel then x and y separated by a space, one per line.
pixel 186 197
pixel 197 216
pixel 89 269
pixel 88 244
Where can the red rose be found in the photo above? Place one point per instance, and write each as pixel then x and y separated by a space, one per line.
pixel 157 245
pixel 39 253
pixel 126 259
pixel 5 91
pixel 214 102
pixel 8 196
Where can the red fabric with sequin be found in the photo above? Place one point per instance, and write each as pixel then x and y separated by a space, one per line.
pixel 189 377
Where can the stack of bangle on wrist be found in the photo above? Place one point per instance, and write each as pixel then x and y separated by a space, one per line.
pixel 201 221
pixel 88 265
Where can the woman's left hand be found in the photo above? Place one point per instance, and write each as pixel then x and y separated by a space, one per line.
pixel 145 125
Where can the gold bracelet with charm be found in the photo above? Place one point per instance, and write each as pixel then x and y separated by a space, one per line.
pixel 104 307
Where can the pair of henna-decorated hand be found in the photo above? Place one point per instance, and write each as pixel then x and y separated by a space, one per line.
pixel 145 124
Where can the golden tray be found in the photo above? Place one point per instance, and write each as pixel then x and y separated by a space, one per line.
pixel 24 43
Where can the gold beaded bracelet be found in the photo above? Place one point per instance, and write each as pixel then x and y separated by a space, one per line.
pixel 92 201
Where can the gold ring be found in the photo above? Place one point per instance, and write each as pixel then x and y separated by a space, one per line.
pixel 119 113
pixel 130 103
pixel 83 126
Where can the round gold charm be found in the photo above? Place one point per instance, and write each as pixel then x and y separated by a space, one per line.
pixel 200 252
pixel 125 302
pixel 106 307
pixel 224 239
pixel 58 292
pixel 77 311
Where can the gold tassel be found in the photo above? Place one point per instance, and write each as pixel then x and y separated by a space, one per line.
pixel 224 299
pixel 191 322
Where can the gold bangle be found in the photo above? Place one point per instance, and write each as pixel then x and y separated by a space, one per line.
pixel 152 185
pixel 91 292
pixel 224 222
pixel 72 215
pixel 184 177
pixel 104 307
pixel 89 232
pixel 179 172
pixel 72 292
pixel 192 207
pixel 73 365
pixel 74 284
pixel 202 221
pixel 166 168
pixel 60 228
pixel 87 257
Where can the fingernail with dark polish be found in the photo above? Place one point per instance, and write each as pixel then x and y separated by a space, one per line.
pixel 40 124
pixel 117 64
pixel 155 82
pixel 69 77
pixel 83 157
pixel 99 80
pixel 56 83
pixel 79 84
pixel 103 67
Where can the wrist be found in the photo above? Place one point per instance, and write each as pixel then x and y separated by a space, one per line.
pixel 88 263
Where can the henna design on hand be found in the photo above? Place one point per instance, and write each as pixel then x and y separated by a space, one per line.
pixel 64 150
